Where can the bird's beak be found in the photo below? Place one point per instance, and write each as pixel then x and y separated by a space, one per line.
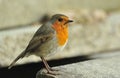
pixel 68 21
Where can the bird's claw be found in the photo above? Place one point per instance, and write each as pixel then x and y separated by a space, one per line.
pixel 53 73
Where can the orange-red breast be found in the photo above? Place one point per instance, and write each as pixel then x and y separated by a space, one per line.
pixel 49 38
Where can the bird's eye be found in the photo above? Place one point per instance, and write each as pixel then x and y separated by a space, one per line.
pixel 60 19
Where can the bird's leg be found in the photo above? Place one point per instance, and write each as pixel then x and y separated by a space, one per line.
pixel 48 68
pixel 45 63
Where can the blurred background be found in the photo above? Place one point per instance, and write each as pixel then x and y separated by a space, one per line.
pixel 96 27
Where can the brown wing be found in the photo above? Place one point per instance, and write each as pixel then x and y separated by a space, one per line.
pixel 36 41
pixel 42 35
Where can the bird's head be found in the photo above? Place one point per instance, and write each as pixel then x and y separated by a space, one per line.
pixel 60 20
pixel 60 25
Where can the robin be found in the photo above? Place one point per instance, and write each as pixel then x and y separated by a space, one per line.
pixel 51 37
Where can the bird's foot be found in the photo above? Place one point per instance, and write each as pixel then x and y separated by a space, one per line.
pixel 53 73
pixel 52 69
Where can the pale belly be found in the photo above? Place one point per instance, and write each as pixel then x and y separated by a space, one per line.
pixel 49 48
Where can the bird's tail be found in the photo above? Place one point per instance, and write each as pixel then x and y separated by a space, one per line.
pixel 20 56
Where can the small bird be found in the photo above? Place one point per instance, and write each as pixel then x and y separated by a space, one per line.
pixel 51 37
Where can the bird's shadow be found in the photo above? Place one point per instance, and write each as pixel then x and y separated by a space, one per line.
pixel 29 70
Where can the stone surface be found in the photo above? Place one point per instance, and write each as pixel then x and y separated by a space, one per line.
pixel 83 40
pixel 20 12
pixel 107 67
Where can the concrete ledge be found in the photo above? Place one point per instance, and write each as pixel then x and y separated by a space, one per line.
pixel 99 68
